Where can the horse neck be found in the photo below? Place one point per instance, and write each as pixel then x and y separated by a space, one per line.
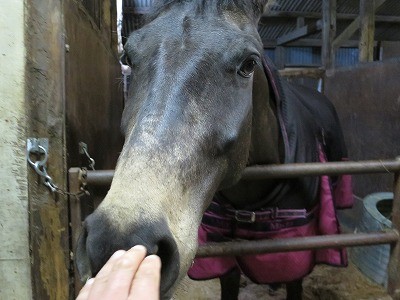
pixel 266 148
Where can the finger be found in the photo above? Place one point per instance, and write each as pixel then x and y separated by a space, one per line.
pixel 85 291
pixel 121 275
pixel 146 283
pixel 102 277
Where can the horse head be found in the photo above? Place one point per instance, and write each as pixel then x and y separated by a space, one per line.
pixel 188 127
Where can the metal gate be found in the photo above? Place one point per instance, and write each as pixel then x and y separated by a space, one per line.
pixel 79 178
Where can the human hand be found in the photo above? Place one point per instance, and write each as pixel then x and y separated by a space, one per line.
pixel 127 275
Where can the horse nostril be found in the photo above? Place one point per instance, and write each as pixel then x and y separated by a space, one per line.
pixel 152 250
pixel 168 253
pixel 102 239
pixel 164 251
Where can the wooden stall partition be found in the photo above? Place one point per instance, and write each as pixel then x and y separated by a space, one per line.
pixel 94 98
pixel 94 91
pixel 48 212
pixel 367 98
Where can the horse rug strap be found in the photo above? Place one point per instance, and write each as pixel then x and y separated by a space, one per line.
pixel 225 217
pixel 221 223
pixel 260 268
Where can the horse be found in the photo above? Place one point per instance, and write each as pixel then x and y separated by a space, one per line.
pixel 203 104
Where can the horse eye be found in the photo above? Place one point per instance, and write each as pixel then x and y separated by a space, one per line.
pixel 247 68
pixel 125 60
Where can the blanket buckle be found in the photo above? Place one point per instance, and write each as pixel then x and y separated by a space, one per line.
pixel 245 216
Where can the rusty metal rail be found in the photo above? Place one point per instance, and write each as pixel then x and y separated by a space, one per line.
pixel 103 178
pixel 328 168
pixel 297 244
pixel 80 177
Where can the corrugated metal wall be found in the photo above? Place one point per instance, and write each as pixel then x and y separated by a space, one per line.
pixel 346 57
pixel 302 56
pixel 311 56
pixel 138 3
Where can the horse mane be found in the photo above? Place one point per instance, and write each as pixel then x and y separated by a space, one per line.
pixel 252 8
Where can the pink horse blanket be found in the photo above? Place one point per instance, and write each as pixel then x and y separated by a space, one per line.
pixel 223 223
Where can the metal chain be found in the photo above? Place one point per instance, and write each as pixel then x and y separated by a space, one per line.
pixel 39 167
pixel 83 149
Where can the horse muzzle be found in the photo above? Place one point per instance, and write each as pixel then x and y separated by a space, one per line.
pixel 99 239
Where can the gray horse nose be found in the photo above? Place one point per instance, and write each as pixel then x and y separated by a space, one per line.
pixel 100 239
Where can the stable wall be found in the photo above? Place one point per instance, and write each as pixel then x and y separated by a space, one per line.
pixel 367 98
pixel 15 279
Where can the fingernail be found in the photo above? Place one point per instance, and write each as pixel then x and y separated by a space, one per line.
pixel 151 265
pixel 89 281
pixel 153 259
pixel 139 248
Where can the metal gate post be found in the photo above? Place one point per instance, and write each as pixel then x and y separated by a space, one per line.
pixel 75 179
pixel 394 261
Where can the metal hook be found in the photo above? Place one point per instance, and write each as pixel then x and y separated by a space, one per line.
pixel 39 163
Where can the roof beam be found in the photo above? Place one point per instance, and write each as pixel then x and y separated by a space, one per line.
pixel 329 9
pixel 299 33
pixel 317 15
pixel 347 33
pixel 352 28
pixel 367 28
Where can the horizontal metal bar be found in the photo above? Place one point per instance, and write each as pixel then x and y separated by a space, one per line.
pixel 297 244
pixel 315 169
pixel 104 177
pixel 98 177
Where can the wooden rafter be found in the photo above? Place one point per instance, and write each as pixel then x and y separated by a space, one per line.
pixel 367 28
pixel 300 32
pixel 352 28
pixel 329 8
pixel 317 15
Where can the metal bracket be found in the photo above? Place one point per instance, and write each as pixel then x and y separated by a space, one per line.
pixel 37 146
pixel 40 149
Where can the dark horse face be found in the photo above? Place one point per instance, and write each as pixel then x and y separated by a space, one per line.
pixel 187 129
